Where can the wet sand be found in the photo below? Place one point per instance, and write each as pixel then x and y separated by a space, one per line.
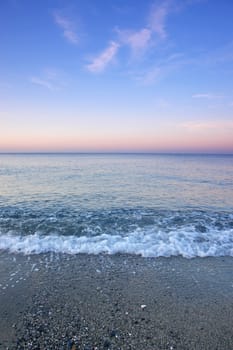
pixel 54 301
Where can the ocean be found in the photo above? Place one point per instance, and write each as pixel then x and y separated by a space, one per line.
pixel 145 204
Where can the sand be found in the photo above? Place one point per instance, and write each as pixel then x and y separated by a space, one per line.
pixel 55 301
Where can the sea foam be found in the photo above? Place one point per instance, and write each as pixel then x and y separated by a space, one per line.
pixel 148 242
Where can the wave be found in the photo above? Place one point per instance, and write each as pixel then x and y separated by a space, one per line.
pixel 148 242
pixel 144 231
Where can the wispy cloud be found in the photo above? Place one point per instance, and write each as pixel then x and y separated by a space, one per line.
pixel 150 76
pixel 140 40
pixel 67 26
pixel 45 83
pixel 164 67
pixel 158 17
pixel 137 40
pixel 48 79
pixel 207 96
pixel 207 125
pixel 100 62
pixel 176 61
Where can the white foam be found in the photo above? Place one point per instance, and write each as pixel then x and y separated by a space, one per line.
pixel 147 243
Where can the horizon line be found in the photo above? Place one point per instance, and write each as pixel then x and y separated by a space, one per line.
pixel 115 153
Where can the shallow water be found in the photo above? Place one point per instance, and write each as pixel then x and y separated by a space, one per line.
pixel 153 205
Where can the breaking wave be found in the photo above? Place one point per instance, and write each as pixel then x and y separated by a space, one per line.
pixel 148 233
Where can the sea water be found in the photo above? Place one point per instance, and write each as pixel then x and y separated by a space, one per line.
pixel 148 204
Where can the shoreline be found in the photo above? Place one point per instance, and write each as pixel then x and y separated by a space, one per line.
pixel 57 301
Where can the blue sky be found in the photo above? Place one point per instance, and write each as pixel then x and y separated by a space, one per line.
pixel 116 75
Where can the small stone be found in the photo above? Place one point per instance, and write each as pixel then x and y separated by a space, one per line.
pixel 107 344
pixel 71 345
pixel 113 334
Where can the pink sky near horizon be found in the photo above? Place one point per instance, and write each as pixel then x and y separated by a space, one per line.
pixel 186 138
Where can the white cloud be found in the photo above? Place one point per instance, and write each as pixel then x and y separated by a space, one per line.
pixel 67 26
pixel 49 79
pixel 141 39
pixel 208 125
pixel 157 18
pixel 42 82
pixel 137 40
pixel 162 69
pixel 100 62
pixel 150 77
pixel 208 96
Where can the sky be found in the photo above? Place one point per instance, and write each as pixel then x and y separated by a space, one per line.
pixel 116 76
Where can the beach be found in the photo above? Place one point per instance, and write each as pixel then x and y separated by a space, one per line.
pixel 59 301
